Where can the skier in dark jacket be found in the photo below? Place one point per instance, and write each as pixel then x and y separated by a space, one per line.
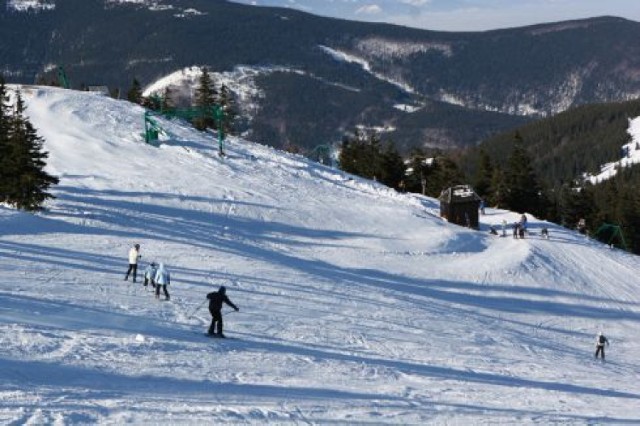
pixel 216 299
pixel 600 342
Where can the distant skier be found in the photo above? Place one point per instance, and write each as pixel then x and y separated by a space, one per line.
pixel 516 229
pixel 523 222
pixel 582 226
pixel 545 233
pixel 600 342
pixel 162 279
pixel 216 299
pixel 150 274
pixel 134 255
pixel 504 227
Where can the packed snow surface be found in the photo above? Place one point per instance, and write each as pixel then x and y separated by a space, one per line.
pixel 357 304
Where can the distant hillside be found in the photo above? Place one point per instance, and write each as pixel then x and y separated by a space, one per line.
pixel 342 73
pixel 565 146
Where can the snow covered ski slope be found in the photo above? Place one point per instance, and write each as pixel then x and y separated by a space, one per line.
pixel 357 304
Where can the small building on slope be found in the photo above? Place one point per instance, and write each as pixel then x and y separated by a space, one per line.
pixel 460 204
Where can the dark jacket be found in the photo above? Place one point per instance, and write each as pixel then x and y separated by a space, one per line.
pixel 601 340
pixel 216 299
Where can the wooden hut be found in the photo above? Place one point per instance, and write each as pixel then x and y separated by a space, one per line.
pixel 459 204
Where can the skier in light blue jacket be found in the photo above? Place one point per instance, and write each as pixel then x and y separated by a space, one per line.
pixel 162 279
pixel 150 274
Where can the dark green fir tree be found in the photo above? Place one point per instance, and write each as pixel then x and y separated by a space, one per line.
pixel 167 99
pixel 28 182
pixel 524 193
pixel 230 112
pixel 5 163
pixel 206 98
pixel 134 94
pixel 392 167
pixel 483 176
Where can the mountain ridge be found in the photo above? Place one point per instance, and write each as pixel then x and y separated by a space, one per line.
pixel 499 79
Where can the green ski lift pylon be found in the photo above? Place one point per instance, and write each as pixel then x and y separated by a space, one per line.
pixel 152 128
pixel 62 78
pixel 615 231
pixel 218 114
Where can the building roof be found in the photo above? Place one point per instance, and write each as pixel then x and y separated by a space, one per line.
pixel 459 194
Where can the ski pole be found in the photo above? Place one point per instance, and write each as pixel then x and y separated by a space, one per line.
pixel 196 310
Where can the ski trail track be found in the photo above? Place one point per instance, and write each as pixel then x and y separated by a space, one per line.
pixel 357 303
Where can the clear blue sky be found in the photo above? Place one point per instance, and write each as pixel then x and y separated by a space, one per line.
pixel 461 15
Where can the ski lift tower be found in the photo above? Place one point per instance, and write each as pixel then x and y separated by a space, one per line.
pixel 62 78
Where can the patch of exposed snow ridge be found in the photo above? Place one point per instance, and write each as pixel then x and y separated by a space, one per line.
pixel 390 49
pixel 143 2
pixel 408 108
pixel 30 5
pixel 349 58
pixel 630 155
pixel 152 5
pixel 240 81
pixel 189 12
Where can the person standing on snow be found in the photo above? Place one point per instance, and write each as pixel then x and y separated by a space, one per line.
pixel 600 342
pixel 523 222
pixel 162 279
pixel 150 274
pixel 216 299
pixel 134 255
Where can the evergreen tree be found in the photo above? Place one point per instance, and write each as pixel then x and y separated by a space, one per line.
pixel 523 189
pixel 392 166
pixel 483 175
pixel 431 175
pixel 153 102
pixel 416 175
pixel 27 181
pixel 357 155
pixel 167 101
pixel 228 105
pixel 629 217
pixel 135 92
pixel 365 156
pixel 441 174
pixel 4 141
pixel 498 189
pixel 574 204
pixel 206 98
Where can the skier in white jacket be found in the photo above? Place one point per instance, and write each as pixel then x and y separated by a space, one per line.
pixel 134 255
